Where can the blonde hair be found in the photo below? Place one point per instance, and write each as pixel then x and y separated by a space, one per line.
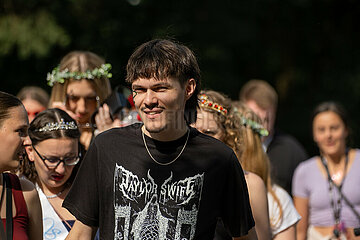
pixel 80 61
pixel 247 146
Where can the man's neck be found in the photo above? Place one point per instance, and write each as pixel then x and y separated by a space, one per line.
pixel 166 135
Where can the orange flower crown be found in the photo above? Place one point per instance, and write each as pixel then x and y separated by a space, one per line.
pixel 206 103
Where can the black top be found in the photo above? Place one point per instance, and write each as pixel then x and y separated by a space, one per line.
pixel 123 191
pixel 285 153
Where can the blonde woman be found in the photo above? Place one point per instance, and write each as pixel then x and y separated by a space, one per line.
pixel 241 129
pixel 247 144
pixel 79 84
pixel 211 120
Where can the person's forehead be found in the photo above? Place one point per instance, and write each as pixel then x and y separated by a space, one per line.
pixel 261 112
pixel 82 88
pixel 154 81
pixel 17 117
pixel 206 119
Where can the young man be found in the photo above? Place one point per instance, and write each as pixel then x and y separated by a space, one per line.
pixel 160 179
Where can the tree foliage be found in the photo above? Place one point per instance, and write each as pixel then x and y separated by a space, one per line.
pixel 305 49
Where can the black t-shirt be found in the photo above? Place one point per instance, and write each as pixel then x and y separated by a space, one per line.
pixel 123 191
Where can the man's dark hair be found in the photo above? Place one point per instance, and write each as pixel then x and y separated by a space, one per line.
pixel 161 59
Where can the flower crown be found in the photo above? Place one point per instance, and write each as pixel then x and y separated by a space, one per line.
pixel 206 103
pixel 255 126
pixel 57 76
pixel 54 126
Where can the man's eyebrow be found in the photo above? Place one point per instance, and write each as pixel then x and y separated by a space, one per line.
pixel 161 84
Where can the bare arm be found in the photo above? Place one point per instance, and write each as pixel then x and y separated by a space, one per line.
pixel 302 206
pixel 250 236
pixel 81 231
pixel 34 209
pixel 287 234
pixel 259 205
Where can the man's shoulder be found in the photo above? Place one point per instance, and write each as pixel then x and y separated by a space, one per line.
pixel 128 132
pixel 206 143
pixel 286 141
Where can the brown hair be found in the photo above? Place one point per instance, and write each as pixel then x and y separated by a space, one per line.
pixel 80 61
pixel 161 59
pixel 7 102
pixel 221 99
pixel 36 93
pixel 261 92
pixel 52 115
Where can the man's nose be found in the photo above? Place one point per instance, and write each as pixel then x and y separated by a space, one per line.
pixel 150 98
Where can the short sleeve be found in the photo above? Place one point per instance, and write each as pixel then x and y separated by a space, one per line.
pixel 289 214
pixel 83 198
pixel 299 187
pixel 237 215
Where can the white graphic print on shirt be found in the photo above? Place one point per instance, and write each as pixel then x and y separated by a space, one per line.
pixel 145 211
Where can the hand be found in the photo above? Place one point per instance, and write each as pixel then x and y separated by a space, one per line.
pixel 103 120
pixel 62 106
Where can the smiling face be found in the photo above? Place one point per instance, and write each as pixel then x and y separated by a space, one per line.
pixel 52 179
pixel 81 100
pixel 161 104
pixel 207 124
pixel 13 135
pixel 330 133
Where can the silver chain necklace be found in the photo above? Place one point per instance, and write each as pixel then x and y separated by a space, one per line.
pixel 55 195
pixel 168 163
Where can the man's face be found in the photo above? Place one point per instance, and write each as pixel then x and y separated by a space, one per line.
pixel 267 116
pixel 160 103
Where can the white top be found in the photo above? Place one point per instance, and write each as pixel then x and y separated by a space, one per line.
pixel 53 228
pixel 290 215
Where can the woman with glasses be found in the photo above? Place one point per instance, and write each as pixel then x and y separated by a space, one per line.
pixel 79 84
pixel 51 164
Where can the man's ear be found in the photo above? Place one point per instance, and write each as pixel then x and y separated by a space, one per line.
pixel 190 88
pixel 30 153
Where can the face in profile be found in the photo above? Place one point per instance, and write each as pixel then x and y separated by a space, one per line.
pixel 267 116
pixel 82 100
pixel 207 124
pixel 330 133
pixel 52 173
pixel 32 107
pixel 13 135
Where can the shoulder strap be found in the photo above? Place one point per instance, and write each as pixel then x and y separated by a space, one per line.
pixel 2 230
pixel 9 217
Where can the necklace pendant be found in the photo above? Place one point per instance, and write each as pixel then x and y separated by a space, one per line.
pixel 336 177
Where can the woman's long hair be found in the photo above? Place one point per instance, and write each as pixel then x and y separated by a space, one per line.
pixel 54 115
pixel 246 143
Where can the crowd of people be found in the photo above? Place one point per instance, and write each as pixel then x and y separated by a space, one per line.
pixel 167 160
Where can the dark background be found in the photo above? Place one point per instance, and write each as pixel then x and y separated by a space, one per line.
pixel 308 50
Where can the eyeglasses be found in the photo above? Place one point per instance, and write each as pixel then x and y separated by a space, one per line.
pixel 53 162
